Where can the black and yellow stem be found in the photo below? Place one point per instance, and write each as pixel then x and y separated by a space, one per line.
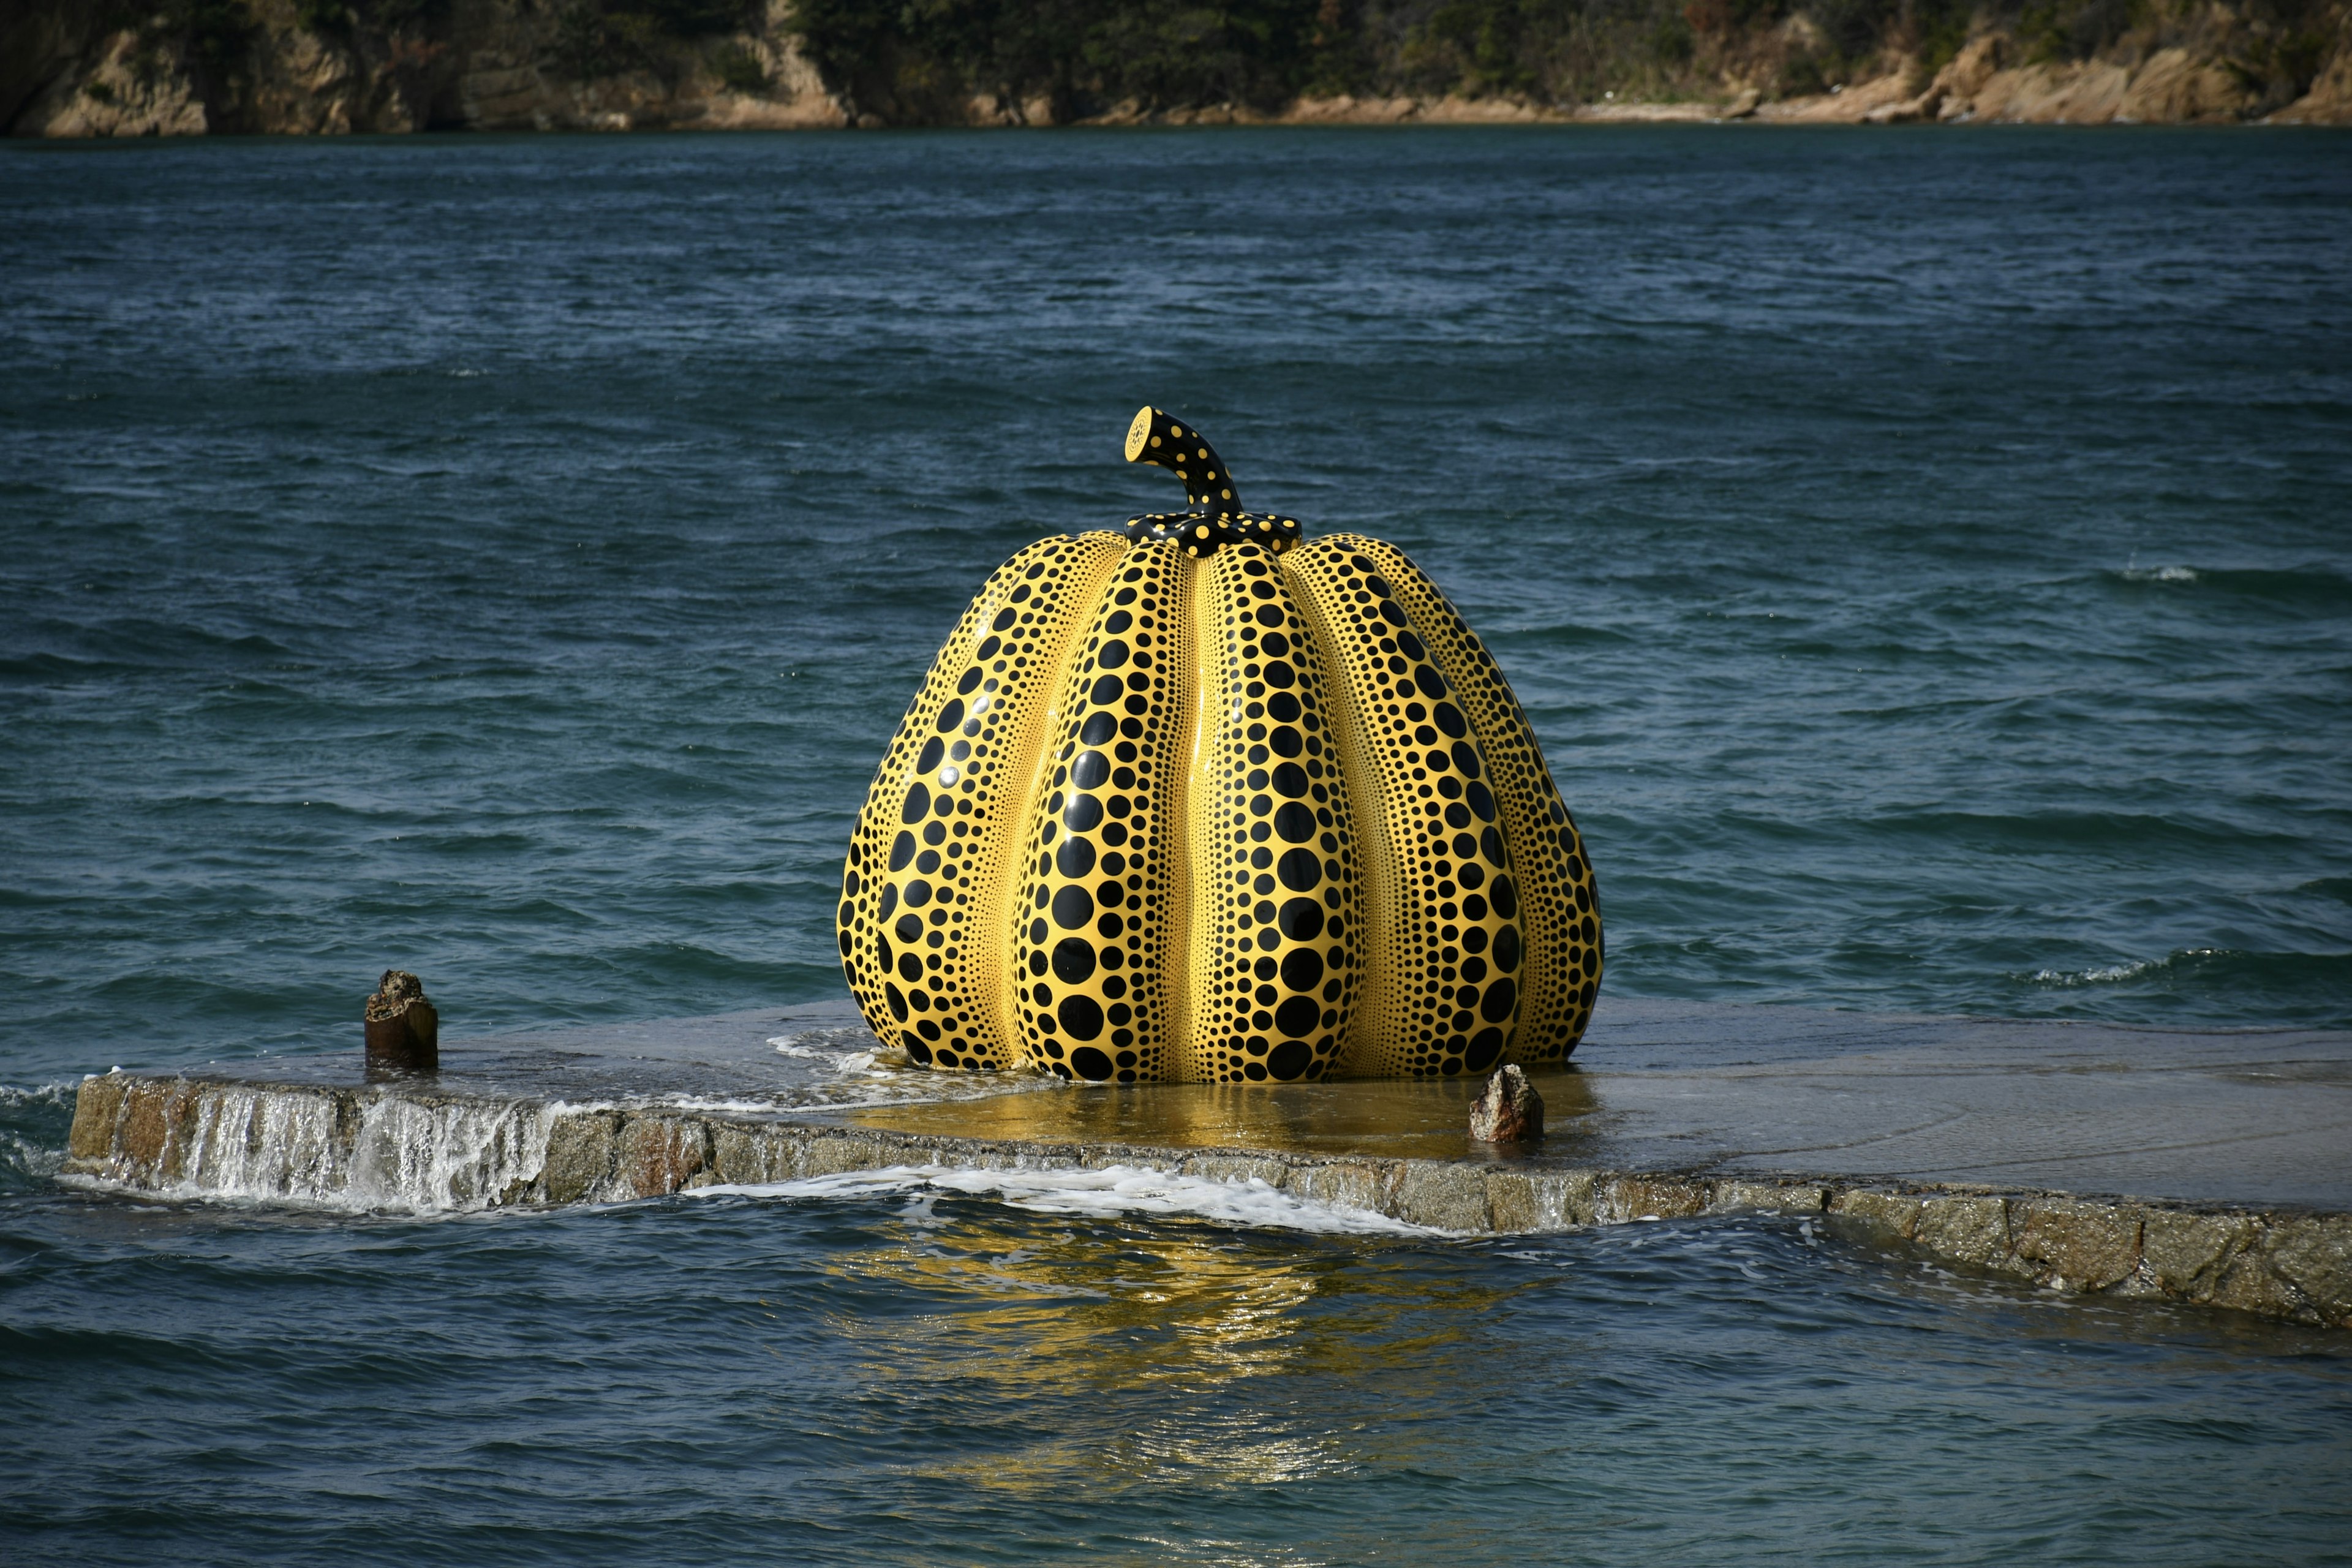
pixel 1156 438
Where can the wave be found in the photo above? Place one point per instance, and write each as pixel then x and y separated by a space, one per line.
pixel 34 1123
pixel 1112 1192
pixel 2315 988
pixel 2310 587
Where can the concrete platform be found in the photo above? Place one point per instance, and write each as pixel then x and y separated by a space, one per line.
pixel 2200 1166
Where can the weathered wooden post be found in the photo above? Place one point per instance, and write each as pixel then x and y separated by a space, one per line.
pixel 404 1032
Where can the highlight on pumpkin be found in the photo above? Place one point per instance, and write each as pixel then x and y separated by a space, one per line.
pixel 1204 803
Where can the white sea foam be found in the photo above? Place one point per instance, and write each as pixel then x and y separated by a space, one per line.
pixel 1108 1193
pixel 2109 974
pixel 404 1156
pixel 28 1155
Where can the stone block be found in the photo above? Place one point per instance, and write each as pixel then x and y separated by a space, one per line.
pixel 1235 1169
pixel 2186 1255
pixel 1620 1199
pixel 1359 1185
pixel 2314 1254
pixel 98 1106
pixel 2076 1245
pixel 580 1155
pixel 1441 1196
pixel 2249 1284
pixel 1895 1214
pixel 1741 1196
pixel 1514 1203
pixel 1967 1229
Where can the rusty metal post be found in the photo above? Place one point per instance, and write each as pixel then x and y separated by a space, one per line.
pixel 404 1032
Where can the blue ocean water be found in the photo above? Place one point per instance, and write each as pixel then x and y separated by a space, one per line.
pixel 1924 559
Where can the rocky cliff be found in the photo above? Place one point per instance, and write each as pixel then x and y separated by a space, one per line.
pixel 132 67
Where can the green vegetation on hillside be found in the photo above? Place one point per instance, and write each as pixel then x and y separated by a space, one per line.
pixel 925 61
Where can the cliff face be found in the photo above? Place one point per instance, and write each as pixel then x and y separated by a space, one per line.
pixel 134 67
pixel 129 67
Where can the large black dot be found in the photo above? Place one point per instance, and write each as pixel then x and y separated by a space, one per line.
pixel 1279 674
pixel 1302 920
pixel 1302 969
pixel 1081 814
pixel 902 850
pixel 1485 1047
pixel 1073 908
pixel 918 893
pixel 918 806
pixel 1506 949
pixel 1449 718
pixel 1091 771
pixel 1112 654
pixel 1106 690
pixel 1298 1015
pixel 1505 898
pixel 889 901
pixel 1287 741
pixel 1099 729
pixel 1432 684
pixel 1282 708
pixel 1074 960
pixel 1294 822
pixel 951 715
pixel 971 677
pixel 1288 1059
pixel 896 999
pixel 1301 869
pixel 933 750
pixel 1466 757
pixel 1075 858
pixel 1081 1017
pixel 1089 1063
pixel 909 928
pixel 1290 780
pixel 1500 998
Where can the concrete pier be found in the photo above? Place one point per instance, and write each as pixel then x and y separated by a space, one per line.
pixel 2212 1168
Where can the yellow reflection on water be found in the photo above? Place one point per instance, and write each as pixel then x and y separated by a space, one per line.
pixel 1231 1344
pixel 1400 1118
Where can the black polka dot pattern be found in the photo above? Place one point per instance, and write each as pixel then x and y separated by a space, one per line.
pixel 1197 534
pixel 922 908
pixel 1209 802
pixel 1442 946
pixel 1558 903
pixel 1157 438
pixel 1273 862
pixel 1092 934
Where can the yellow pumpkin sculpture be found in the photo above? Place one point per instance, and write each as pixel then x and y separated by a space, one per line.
pixel 1206 803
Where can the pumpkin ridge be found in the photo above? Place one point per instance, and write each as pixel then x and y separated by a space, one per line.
pixel 1439 901
pixel 1091 941
pixel 1559 915
pixel 939 863
pixel 1271 873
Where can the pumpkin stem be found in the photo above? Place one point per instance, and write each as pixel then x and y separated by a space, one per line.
pixel 1157 440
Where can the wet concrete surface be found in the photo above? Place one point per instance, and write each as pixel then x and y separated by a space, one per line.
pixel 2253 1117
pixel 2261 1117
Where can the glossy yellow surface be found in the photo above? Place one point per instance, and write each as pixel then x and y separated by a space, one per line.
pixel 1216 810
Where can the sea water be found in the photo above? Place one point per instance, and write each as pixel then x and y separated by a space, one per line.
pixel 1925 557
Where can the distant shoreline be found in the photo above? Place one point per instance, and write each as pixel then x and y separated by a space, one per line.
pixel 70 70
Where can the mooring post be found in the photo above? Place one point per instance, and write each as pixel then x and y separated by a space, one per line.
pixel 404 1032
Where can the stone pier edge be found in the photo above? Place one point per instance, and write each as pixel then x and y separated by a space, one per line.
pixel 2295 1265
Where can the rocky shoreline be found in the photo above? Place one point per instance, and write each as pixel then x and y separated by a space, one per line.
pixel 304 68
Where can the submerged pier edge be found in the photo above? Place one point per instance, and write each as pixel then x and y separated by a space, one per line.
pixel 419 1150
